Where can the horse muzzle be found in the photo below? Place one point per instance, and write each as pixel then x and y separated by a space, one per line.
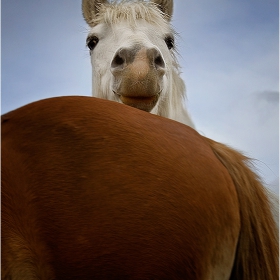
pixel 138 76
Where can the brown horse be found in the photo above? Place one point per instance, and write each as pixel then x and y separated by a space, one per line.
pixel 93 189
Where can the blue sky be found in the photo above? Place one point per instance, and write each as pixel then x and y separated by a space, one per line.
pixel 229 54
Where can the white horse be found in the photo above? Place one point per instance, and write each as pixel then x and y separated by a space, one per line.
pixel 134 61
pixel 133 56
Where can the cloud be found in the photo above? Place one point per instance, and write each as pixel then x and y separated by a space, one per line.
pixel 271 97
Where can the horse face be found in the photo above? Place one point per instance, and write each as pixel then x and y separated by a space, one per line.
pixel 132 62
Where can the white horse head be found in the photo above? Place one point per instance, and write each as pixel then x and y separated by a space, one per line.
pixel 133 56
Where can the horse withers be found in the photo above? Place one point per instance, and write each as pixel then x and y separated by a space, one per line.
pixel 93 189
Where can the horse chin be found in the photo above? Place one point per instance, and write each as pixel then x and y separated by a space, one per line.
pixel 144 103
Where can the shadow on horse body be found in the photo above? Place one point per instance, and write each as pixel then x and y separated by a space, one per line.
pixel 92 189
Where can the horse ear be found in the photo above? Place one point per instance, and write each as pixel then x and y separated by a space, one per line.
pixel 166 6
pixel 90 9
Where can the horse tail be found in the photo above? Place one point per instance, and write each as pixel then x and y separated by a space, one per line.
pixel 257 250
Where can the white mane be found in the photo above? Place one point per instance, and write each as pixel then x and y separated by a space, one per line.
pixel 130 11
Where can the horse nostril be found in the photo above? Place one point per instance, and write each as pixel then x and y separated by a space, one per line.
pixel 117 61
pixel 155 58
pixel 159 61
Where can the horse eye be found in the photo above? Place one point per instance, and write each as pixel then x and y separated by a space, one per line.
pixel 169 42
pixel 92 42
